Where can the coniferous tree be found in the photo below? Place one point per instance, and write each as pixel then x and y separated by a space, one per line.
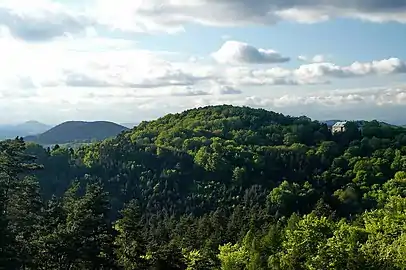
pixel 130 240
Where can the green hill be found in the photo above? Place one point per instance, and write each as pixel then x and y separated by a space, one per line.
pixel 77 132
pixel 218 187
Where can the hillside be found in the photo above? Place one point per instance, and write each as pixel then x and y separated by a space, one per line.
pixel 218 187
pixel 77 131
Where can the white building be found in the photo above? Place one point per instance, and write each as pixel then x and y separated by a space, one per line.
pixel 338 127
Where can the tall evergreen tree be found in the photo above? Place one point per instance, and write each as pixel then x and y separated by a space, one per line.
pixel 130 240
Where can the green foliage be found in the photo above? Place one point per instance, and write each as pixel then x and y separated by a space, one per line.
pixel 220 187
pixel 130 242
pixel 195 260
pixel 233 257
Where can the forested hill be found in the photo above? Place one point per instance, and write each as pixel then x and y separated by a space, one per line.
pixel 218 187
pixel 77 131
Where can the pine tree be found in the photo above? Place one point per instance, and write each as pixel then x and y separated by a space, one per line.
pixel 130 242
pixel 15 187
pixel 25 217
pixel 88 232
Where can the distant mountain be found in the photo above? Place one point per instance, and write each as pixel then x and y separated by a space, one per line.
pixel 77 131
pixel 129 125
pixel 33 127
pixel 23 129
pixel 330 123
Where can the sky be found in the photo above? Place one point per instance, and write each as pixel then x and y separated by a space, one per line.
pixel 127 61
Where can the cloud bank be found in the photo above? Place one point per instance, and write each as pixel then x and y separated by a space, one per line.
pixel 45 19
pixel 54 59
pixel 314 73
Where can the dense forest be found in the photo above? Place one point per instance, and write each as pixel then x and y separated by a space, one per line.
pixel 219 187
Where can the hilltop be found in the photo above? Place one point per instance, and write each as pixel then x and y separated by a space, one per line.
pixel 77 131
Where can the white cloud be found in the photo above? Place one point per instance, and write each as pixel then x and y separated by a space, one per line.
pixel 213 89
pixel 187 91
pixel 235 52
pixel 357 69
pixel 98 69
pixel 171 15
pixel 303 58
pixel 318 58
pixel 75 76
pixel 46 19
pixel 95 62
pixel 303 15
pixel 308 74
pixel 224 90
pixel 339 98
pixel 150 75
pixel 256 77
pixel 49 105
pixel 42 19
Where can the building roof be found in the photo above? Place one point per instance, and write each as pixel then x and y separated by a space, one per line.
pixel 340 124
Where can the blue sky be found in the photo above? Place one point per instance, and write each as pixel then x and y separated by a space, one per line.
pixel 346 40
pixel 128 61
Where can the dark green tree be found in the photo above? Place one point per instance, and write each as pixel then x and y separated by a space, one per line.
pixel 130 241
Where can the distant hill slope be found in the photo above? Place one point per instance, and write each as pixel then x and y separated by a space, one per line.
pixel 33 127
pixel 130 125
pixel 77 131
pixel 330 123
pixel 23 129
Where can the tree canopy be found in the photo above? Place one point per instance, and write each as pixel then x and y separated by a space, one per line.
pixel 218 187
